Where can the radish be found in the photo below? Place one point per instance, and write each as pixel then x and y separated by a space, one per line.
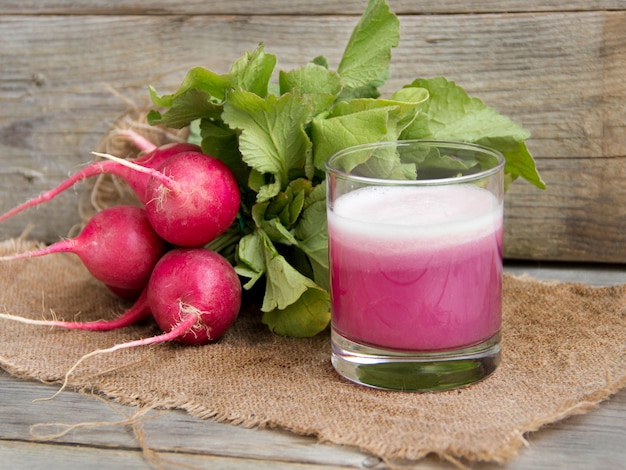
pixel 201 204
pixel 138 311
pixel 195 294
pixel 118 246
pixel 190 199
pixel 137 181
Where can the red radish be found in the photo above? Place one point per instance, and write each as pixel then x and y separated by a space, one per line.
pixel 138 311
pixel 118 246
pixel 190 199
pixel 137 181
pixel 201 204
pixel 195 292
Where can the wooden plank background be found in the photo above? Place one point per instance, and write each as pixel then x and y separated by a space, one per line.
pixel 559 70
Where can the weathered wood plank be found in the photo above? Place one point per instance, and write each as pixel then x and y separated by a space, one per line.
pixel 561 75
pixel 580 216
pixel 591 274
pixel 40 456
pixel 20 455
pixel 281 7
pixel 574 443
pixel 101 425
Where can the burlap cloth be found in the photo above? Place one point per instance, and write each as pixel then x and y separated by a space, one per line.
pixel 564 350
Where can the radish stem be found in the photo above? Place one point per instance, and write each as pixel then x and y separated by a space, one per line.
pixel 138 140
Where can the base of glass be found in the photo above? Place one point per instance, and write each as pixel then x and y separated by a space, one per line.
pixel 410 371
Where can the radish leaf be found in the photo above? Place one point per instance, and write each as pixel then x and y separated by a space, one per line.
pixel 272 139
pixel 451 114
pixel 308 314
pixel 366 58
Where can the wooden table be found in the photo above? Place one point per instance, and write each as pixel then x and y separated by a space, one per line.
pixel 595 440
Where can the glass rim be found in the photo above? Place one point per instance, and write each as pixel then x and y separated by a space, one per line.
pixel 328 165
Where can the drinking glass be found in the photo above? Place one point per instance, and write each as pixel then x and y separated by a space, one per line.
pixel 415 234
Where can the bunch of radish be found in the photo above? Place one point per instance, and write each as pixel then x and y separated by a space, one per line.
pixel 155 254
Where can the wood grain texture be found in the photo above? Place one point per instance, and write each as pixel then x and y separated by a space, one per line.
pixel 581 216
pixel 561 74
pixel 296 7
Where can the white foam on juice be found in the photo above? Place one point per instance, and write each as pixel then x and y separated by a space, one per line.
pixel 396 215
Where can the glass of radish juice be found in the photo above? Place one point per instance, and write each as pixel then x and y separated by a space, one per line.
pixel 415 234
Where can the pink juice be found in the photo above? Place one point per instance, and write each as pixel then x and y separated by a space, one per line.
pixel 416 268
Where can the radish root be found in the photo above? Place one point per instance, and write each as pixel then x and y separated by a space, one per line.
pixel 137 312
pixel 189 310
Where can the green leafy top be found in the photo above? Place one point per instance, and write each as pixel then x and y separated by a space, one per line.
pixel 276 143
